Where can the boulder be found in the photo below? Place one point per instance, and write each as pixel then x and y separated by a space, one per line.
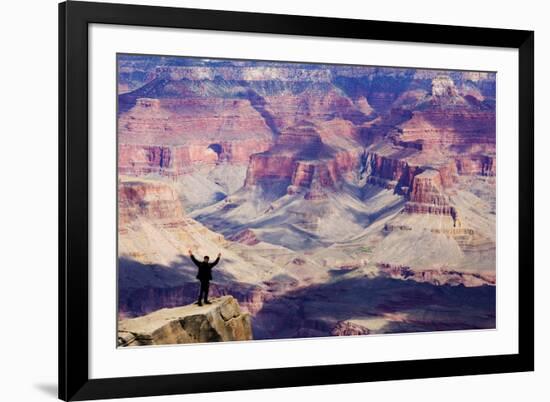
pixel 217 322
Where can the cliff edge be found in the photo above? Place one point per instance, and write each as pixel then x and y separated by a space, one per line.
pixel 217 322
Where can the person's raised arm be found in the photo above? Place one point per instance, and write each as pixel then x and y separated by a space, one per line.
pixel 216 260
pixel 193 258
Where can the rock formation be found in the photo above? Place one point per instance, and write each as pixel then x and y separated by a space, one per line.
pixel 178 160
pixel 301 159
pixel 148 199
pixel 344 328
pixel 427 197
pixel 153 227
pixel 439 276
pixel 246 236
pixel 218 322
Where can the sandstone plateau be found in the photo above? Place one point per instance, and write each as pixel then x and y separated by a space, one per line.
pixel 218 322
pixel 345 200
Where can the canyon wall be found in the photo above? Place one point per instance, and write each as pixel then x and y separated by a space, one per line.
pixel 178 160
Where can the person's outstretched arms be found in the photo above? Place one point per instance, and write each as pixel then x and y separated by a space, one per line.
pixel 216 260
pixel 193 258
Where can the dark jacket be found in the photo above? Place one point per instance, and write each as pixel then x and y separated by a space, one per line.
pixel 205 268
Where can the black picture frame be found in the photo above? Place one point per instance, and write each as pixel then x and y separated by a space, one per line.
pixel 74 18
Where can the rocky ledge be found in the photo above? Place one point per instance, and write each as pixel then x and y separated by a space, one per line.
pixel 217 322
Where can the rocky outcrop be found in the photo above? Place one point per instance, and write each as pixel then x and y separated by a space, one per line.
pixel 438 277
pixel 138 160
pixel 423 187
pixel 246 236
pixel 426 192
pixel 448 174
pixel 147 199
pixel 390 172
pixel 177 160
pixel 345 328
pixel 298 173
pixel 220 321
pixel 430 209
pixel 444 87
pixel 484 165
pixel 269 167
pixel 302 160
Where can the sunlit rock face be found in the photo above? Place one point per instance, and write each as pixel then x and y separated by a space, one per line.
pixel 152 224
pixel 151 200
pixel 319 184
pixel 304 160
pixel 221 321
pixel 427 197
pixel 169 136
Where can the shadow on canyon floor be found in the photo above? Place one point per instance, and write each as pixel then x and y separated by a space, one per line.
pixel 383 305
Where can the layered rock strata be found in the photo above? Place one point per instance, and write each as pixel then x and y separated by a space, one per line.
pixel 302 160
pixel 438 277
pixel 178 160
pixel 345 328
pixel 169 136
pixel 150 200
pixel 426 196
pixel 218 322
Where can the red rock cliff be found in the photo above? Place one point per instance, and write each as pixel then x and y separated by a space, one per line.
pixel 151 200
pixel 303 159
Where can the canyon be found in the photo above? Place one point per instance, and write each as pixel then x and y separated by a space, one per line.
pixel 345 200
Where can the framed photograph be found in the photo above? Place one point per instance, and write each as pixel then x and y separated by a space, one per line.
pixel 258 200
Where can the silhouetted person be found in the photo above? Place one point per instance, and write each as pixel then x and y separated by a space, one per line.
pixel 204 275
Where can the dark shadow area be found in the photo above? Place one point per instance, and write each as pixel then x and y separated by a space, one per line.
pixel 259 103
pixel 143 288
pixel 403 306
pixel 218 196
pixel 217 148
pixel 152 89
pixel 341 271
pixel 380 90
